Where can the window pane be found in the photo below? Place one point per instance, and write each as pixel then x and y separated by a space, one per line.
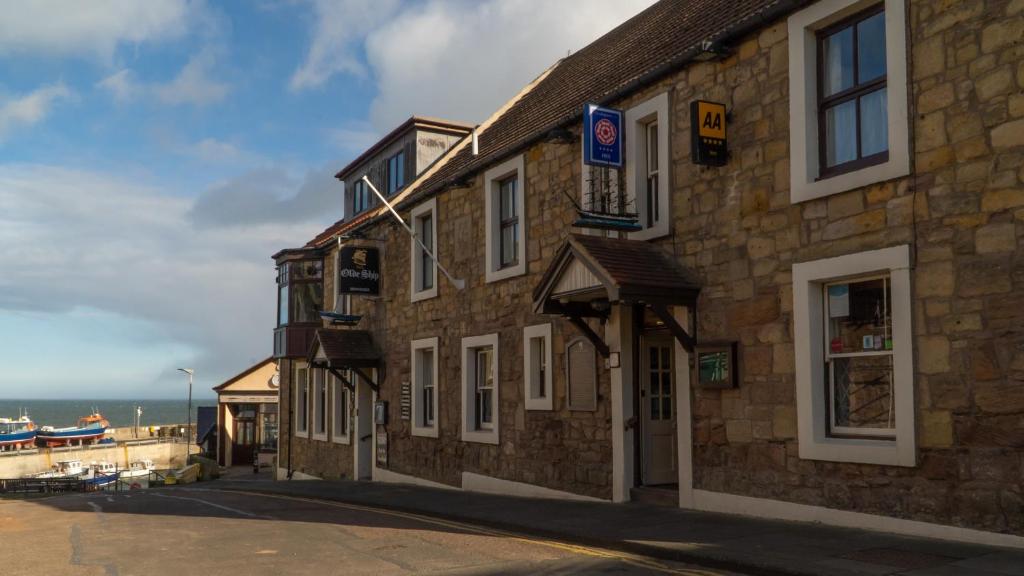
pixel 309 301
pixel 509 244
pixel 874 123
pixel 871 48
pixel 655 405
pixel 666 408
pixel 838 56
pixel 485 406
pixel 859 316
pixel 862 392
pixel 308 270
pixel 507 198
pixel 841 133
pixel 282 306
pixel 652 147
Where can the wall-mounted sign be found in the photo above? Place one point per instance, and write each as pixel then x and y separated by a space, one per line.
pixel 382 449
pixel 707 128
pixel 716 365
pixel 359 270
pixel 406 401
pixel 602 136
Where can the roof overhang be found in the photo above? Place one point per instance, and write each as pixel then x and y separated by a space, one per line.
pixel 341 350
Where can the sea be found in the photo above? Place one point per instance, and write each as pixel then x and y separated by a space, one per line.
pixel 120 413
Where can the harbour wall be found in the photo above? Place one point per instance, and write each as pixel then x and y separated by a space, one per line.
pixel 164 455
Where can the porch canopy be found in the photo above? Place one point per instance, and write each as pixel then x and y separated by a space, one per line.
pixel 341 350
pixel 591 273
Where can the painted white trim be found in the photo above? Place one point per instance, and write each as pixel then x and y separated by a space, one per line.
pixel 803 102
pixel 808 321
pixel 416 345
pixel 487 484
pixel 327 405
pixel 684 420
pixel 415 294
pixel 765 508
pixel 303 433
pixel 333 386
pixel 656 109
pixel 618 334
pixel 469 433
pixel 537 403
pixel 507 168
pixel 387 476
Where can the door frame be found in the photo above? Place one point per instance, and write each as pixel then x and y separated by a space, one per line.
pixel 662 338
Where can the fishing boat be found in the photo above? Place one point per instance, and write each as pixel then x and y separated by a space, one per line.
pixel 17 433
pixel 90 429
pixel 63 469
pixel 100 474
pixel 138 469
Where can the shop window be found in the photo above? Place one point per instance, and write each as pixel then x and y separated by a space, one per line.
pixel 480 414
pixel 268 427
pixel 646 151
pixel 537 367
pixel 848 87
pixel 340 402
pixel 855 397
pixel 319 404
pixel 424 270
pixel 301 408
pixel 424 387
pixel 505 250
pixel 581 375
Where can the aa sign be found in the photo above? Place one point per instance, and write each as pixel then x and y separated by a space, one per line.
pixel 707 126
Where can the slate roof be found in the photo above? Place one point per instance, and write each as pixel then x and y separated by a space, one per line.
pixel 345 348
pixel 630 270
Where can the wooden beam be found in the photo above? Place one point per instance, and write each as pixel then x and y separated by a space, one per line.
pixel 363 375
pixel 344 380
pixel 585 329
pixel 684 338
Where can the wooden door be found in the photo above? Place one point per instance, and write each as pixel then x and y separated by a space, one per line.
pixel 657 397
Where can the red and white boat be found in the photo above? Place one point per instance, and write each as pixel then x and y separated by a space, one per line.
pixel 90 429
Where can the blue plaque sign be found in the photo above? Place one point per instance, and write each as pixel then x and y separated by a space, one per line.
pixel 602 136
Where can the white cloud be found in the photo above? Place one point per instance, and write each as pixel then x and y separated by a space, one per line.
pixel 353 139
pixel 339 26
pixel 93 29
pixel 459 59
pixel 193 84
pixel 73 240
pixel 214 151
pixel 31 108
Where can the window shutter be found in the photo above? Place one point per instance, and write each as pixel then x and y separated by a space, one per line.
pixel 581 368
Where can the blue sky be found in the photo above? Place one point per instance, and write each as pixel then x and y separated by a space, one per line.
pixel 153 155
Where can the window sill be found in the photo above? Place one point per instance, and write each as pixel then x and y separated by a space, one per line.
pixel 481 436
pixel 346 440
pixel 423 294
pixel 425 431
pixel 540 404
pixel 659 230
pixel 506 273
pixel 857 450
pixel 320 437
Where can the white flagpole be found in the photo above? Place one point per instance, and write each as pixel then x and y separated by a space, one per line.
pixel 457 282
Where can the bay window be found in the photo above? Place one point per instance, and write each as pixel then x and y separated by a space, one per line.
pixel 300 292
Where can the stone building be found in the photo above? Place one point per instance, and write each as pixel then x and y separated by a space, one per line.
pixel 827 326
pixel 246 416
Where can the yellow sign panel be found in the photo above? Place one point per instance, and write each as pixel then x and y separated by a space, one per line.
pixel 711 118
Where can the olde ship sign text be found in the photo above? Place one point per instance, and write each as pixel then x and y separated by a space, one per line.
pixel 359 270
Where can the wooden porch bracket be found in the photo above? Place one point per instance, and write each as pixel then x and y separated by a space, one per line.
pixel 366 378
pixel 345 381
pixel 589 334
pixel 688 342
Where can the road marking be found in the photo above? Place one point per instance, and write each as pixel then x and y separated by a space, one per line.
pixel 95 507
pixel 625 557
pixel 215 505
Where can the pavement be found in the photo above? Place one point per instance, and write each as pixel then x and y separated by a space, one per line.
pixel 717 541
pixel 202 530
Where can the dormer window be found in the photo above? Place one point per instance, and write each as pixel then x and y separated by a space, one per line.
pixel 300 292
pixel 396 172
pixel 360 197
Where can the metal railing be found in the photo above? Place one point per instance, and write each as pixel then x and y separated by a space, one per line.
pixel 29 486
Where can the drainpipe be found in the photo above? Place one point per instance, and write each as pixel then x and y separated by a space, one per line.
pixel 291 410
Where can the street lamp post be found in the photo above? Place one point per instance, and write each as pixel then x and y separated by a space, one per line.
pixel 188 431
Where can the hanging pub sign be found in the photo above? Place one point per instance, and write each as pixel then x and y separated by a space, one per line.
pixel 707 128
pixel 602 136
pixel 359 270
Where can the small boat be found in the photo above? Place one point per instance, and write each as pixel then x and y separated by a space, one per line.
pixel 90 429
pixel 17 433
pixel 138 469
pixel 63 469
pixel 100 474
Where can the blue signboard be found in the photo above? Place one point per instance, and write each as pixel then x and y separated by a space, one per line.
pixel 602 136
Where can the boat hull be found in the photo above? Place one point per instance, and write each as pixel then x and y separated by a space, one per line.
pixel 68 437
pixel 18 439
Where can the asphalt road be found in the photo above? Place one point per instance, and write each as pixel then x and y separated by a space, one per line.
pixel 209 532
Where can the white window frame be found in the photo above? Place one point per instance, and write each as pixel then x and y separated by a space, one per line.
pixel 803 99
pixel 530 361
pixel 416 291
pixel 419 427
pixel 469 431
pixel 492 213
pixel 316 388
pixel 335 387
pixel 637 118
pixel 809 278
pixel 301 386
